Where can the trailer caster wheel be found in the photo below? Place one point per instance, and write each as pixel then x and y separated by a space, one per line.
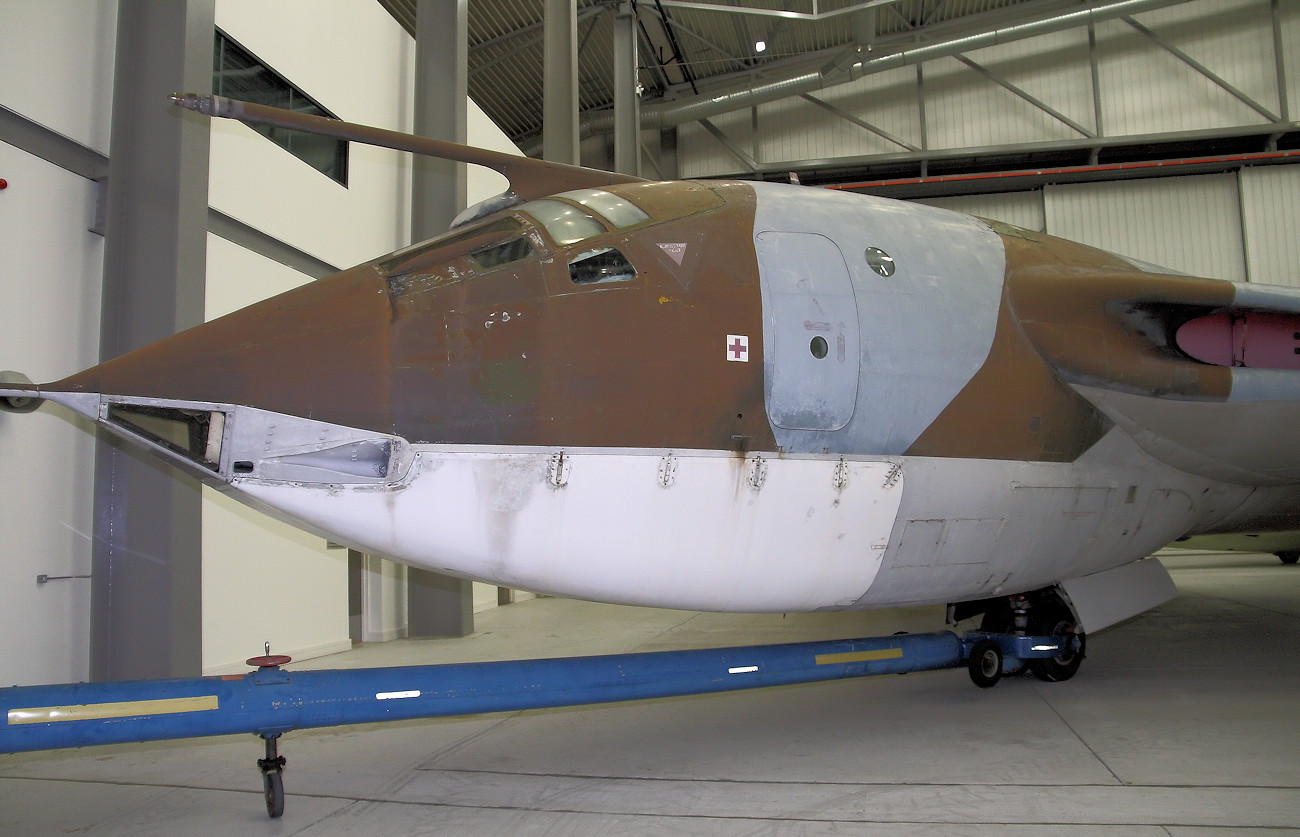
pixel 273 785
pixel 985 664
pixel 1288 557
pixel 272 768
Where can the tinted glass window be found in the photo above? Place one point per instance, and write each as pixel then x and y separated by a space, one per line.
pixel 450 244
pixel 499 254
pixel 565 222
pixel 600 266
pixel 238 74
pixel 618 211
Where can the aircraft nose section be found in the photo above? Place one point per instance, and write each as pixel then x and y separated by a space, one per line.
pixel 314 352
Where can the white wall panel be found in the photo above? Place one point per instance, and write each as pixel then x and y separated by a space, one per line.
pixel 701 154
pixel 341 54
pixel 1270 197
pixel 251 563
pixel 886 100
pixel 50 279
pixel 56 65
pixel 1146 89
pixel 1290 23
pixel 1232 38
pixel 1143 89
pixel 1054 68
pixel 1023 209
pixel 965 109
pixel 1190 224
pixel 796 129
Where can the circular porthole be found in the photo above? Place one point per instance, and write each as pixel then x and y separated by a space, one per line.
pixel 819 347
pixel 880 261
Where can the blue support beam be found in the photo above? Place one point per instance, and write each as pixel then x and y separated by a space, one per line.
pixel 271 700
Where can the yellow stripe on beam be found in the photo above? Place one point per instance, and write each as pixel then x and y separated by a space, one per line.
pixel 124 709
pixel 859 656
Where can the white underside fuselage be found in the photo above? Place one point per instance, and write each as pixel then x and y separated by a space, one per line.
pixel 690 529
pixel 704 530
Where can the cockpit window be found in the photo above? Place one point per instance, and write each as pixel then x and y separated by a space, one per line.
pixel 596 267
pixel 450 244
pixel 498 254
pixel 618 211
pixel 565 222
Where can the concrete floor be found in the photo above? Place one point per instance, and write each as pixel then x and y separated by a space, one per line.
pixel 1183 721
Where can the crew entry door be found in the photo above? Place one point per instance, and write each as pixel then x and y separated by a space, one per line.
pixel 811 331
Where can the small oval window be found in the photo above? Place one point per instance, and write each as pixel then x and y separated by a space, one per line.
pixel 819 347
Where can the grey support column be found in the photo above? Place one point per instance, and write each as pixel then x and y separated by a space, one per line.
pixel 439 605
pixel 627 102
pixel 441 91
pixel 146 600
pixel 560 82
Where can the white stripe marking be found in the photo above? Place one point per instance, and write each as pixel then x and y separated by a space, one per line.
pixel 392 695
pixel 742 670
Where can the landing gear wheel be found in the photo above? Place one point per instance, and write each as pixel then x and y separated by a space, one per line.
pixel 985 664
pixel 1288 557
pixel 1053 618
pixel 273 785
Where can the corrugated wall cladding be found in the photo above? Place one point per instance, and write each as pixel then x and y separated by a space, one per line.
pixel 1239 226
pixel 1290 25
pixel 1024 209
pixel 1143 88
pixel 1147 89
pixel 781 131
pixel 1191 224
pixel 708 156
pixel 1270 210
pixel 966 109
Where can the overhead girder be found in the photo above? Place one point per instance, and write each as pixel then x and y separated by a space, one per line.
pixel 851 65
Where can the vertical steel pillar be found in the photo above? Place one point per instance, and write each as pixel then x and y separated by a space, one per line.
pixel 439 605
pixel 441 90
pixel 627 101
pixel 146 618
pixel 560 82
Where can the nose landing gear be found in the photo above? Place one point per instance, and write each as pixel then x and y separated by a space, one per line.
pixel 1035 631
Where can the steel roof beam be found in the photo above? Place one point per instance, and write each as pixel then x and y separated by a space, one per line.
pixel 845 69
pixel 861 123
pixel 1203 70
pixel 753 11
pixel 1021 93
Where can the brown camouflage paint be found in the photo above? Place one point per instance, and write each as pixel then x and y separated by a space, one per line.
pixel 517 355
pixel 1070 313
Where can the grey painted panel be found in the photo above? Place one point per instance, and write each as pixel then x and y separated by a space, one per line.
pixel 1241 441
pixel 925 330
pixel 1035 524
pixel 814 326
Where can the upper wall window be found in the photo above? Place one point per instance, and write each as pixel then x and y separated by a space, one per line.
pixel 238 74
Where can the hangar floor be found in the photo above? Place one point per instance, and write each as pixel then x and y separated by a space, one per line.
pixel 1181 722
